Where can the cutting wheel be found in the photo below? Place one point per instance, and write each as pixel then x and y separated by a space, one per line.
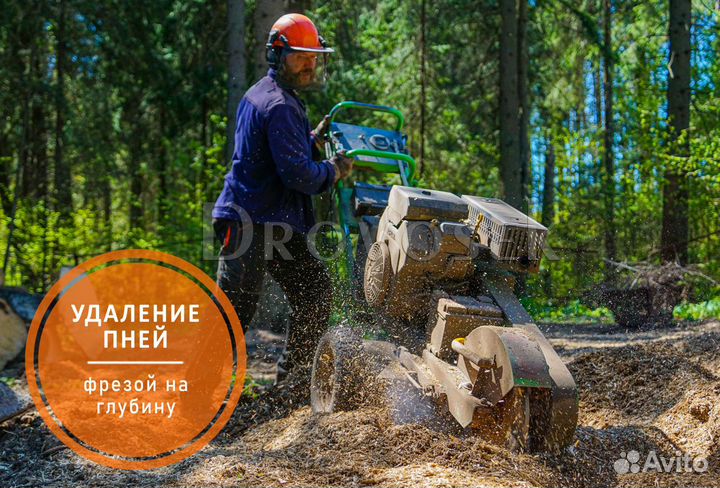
pixel 507 423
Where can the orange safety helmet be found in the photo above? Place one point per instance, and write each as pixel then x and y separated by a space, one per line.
pixel 294 32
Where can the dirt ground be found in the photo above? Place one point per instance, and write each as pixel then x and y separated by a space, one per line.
pixel 648 391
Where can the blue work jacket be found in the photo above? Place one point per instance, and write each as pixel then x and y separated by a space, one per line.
pixel 273 171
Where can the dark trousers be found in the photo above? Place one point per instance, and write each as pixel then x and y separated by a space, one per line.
pixel 302 277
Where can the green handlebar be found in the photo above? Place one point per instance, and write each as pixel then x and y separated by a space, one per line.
pixel 383 167
pixel 373 108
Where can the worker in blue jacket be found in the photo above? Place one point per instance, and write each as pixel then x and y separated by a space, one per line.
pixel 267 193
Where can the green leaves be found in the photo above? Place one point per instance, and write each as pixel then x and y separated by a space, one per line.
pixel 698 311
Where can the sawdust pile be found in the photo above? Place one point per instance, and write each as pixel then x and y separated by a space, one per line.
pixel 672 386
pixel 367 448
pixel 659 394
pixel 662 396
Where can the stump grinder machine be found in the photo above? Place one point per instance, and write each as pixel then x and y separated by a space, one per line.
pixel 437 272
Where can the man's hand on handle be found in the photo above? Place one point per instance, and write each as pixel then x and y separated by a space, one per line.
pixel 321 130
pixel 343 165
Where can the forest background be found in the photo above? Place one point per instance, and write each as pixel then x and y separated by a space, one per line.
pixel 600 118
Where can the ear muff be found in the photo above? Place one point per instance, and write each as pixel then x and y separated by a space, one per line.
pixel 273 54
pixel 270 54
pixel 273 57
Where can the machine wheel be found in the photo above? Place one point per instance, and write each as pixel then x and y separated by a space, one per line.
pixel 377 273
pixel 366 237
pixel 336 382
pixel 518 419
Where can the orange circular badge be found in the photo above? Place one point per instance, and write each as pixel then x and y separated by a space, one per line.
pixel 136 359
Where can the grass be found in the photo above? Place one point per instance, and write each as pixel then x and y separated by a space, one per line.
pixel 252 387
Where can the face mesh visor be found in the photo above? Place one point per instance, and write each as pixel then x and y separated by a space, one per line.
pixel 303 71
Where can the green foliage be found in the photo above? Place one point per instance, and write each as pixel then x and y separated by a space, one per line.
pixel 698 311
pixel 572 312
pixel 252 387
pixel 143 104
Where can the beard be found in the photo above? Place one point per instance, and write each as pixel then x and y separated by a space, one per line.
pixel 301 80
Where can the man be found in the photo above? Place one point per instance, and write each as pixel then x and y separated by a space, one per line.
pixel 274 172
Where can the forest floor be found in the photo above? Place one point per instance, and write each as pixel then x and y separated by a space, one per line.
pixel 655 390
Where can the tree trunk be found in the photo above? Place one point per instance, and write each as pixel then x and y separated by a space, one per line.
pixel 266 13
pixel 162 170
pixel 5 169
pixel 423 82
pixel 236 69
pixel 24 41
pixel 106 190
pixel 11 214
pixel 599 124
pixel 298 6
pixel 548 201
pixel 609 136
pixel 524 104
pixel 510 166
pixel 675 228
pixel 597 95
pixel 63 188
pixel 581 88
pixel 33 153
pixel 37 183
pixel 136 204
pixel 133 123
pixel 31 66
